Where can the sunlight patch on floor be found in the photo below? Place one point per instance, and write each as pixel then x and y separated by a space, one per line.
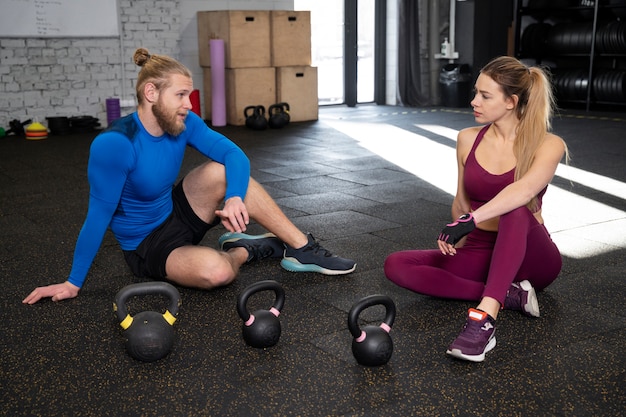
pixel 580 226
pixel 417 154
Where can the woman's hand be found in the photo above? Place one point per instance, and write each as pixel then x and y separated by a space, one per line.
pixel 234 215
pixel 454 232
pixel 57 292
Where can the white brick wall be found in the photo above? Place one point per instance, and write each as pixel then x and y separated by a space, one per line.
pixel 52 77
pixel 48 77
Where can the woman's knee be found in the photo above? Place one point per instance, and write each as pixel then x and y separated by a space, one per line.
pixel 517 217
pixel 518 213
pixel 394 266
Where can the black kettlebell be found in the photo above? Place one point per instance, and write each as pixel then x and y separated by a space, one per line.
pixel 261 329
pixel 149 335
pixel 255 117
pixel 372 345
pixel 278 115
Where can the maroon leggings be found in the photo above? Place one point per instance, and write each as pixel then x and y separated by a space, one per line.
pixel 485 266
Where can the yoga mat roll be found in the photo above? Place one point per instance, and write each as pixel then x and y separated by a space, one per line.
pixel 194 97
pixel 218 82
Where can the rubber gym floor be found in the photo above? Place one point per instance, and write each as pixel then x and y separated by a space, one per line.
pixel 366 181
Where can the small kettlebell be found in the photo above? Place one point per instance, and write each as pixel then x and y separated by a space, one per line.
pixel 278 115
pixel 261 329
pixel 255 117
pixel 149 335
pixel 372 345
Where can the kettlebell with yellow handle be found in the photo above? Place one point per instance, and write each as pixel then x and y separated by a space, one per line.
pixel 149 334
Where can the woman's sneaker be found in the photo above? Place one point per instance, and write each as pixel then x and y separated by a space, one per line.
pixel 477 337
pixel 312 257
pixel 258 246
pixel 522 297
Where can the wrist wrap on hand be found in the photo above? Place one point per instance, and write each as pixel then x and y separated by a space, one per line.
pixel 453 232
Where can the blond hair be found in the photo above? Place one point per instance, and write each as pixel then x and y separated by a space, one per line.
pixel 156 69
pixel 534 109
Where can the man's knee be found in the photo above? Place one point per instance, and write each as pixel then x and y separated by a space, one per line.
pixel 205 187
pixel 218 274
pixel 210 174
pixel 205 270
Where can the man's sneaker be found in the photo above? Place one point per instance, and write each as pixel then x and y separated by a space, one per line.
pixel 258 246
pixel 477 337
pixel 522 297
pixel 314 258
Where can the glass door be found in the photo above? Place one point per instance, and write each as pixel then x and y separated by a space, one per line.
pixel 327 33
pixel 365 74
pixel 346 73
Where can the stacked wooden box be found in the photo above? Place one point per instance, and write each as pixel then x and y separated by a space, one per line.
pixel 267 61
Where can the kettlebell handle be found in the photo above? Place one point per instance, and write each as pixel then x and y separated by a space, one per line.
pixel 274 109
pixel 249 111
pixel 259 110
pixel 142 289
pixel 278 108
pixel 258 286
pixel 369 301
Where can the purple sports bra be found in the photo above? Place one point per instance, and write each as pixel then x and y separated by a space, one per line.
pixel 480 185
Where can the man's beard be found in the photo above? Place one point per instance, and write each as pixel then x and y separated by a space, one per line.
pixel 168 121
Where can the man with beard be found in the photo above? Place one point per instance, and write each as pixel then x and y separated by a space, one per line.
pixel 132 168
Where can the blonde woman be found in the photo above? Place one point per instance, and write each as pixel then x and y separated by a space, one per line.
pixel 497 252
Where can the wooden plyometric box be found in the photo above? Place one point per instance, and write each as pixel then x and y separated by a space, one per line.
pixel 297 86
pixel 244 87
pixel 248 87
pixel 290 38
pixel 246 36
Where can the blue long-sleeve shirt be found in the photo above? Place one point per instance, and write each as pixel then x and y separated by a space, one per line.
pixel 131 174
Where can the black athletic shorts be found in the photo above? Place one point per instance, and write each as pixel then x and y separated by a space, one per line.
pixel 182 228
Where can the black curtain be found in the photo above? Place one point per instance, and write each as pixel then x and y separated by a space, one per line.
pixel 409 67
